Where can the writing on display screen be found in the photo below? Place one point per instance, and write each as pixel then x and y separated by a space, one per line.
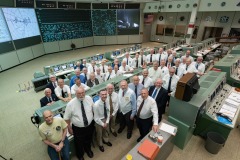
pixel 62 24
pixel 22 23
pixel 4 33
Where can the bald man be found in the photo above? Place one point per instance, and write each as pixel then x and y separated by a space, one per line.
pixel 136 86
pixel 93 81
pixel 125 68
pixel 187 55
pixel 199 65
pixel 155 72
pixel 53 133
pixel 147 114
pixel 160 56
pixel 127 107
pixel 63 91
pixel 49 98
pixel 145 79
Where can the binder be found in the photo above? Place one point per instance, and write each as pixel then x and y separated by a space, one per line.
pixel 148 149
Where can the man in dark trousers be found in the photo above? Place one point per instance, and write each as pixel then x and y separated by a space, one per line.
pixel 52 84
pixel 49 98
pixel 160 95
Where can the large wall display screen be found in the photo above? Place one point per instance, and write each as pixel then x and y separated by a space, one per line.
pixel 104 22
pixel 23 26
pixel 62 24
pixel 128 21
pixel 5 37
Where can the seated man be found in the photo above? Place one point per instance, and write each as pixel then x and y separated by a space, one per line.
pixel 110 74
pixel 92 68
pixel 84 64
pixel 179 71
pixel 53 83
pixel 84 76
pixel 63 91
pixel 117 71
pixel 49 98
pixel 100 76
pixel 150 57
pixel 199 65
pixel 136 62
pixel 93 81
pixel 78 65
pixel 128 59
pixel 116 62
pixel 103 67
pixel 125 68
pixel 78 84
pixel 77 75
pixel 142 58
pixel 163 68
pixel 53 133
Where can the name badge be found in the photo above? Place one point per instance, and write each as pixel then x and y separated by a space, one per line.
pixel 127 98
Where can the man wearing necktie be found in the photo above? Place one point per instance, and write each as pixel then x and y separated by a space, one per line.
pixel 77 75
pixel 49 98
pixel 52 84
pixel 135 62
pixel 159 94
pixel 110 74
pixel 128 59
pixel 127 108
pixel 143 59
pixel 84 75
pixel 136 86
pixel 103 67
pixel 200 67
pixel 101 110
pixel 79 117
pixel 147 114
pixel 145 79
pixel 92 67
pixel 151 57
pixel 112 97
pixel 179 70
pixel 63 91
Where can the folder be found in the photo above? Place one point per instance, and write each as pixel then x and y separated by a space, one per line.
pixel 148 149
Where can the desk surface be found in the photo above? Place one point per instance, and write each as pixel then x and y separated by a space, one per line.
pixel 206 51
pixel 64 72
pixel 164 145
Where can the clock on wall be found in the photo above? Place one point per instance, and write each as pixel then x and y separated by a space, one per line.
pixel 187 5
pixel 182 18
pixel 179 5
pixel 160 18
pixel 209 4
pixel 170 6
pixel 223 4
pixel 224 19
pixel 149 7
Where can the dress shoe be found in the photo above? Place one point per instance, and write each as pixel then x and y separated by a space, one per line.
pixel 107 143
pixel 90 154
pixel 139 139
pixel 114 134
pixel 129 135
pixel 101 148
pixel 120 130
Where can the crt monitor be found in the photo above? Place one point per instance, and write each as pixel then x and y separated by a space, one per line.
pixel 64 67
pixel 95 98
pixel 95 58
pixel 70 65
pixel 100 57
pixel 113 53
pixel 56 69
pixel 117 52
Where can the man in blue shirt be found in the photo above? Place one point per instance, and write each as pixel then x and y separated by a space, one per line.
pixel 136 86
pixel 77 75
pixel 84 76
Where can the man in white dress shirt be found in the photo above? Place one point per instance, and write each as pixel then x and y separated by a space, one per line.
pixel 127 108
pixel 147 114
pixel 169 53
pixel 174 56
pixel 110 74
pixel 199 65
pixel 160 56
pixel 136 62
pixel 150 57
pixel 179 71
pixel 85 64
pixel 183 62
pixel 163 68
pixel 78 84
pixel 117 71
pixel 52 84
pixel 128 59
pixel 103 67
pixel 125 68
pixel 100 76
pixel 169 62
pixel 79 117
pixel 112 97
pixel 84 76
pixel 63 91
pixel 170 82
pixel 142 58
pixel 145 79
pixel 187 55
pixel 101 110
pixel 155 72
pixel 92 67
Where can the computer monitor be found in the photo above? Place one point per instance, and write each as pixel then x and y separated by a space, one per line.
pixel 95 98
pixel 117 53
pixel 95 58
pixel 100 57
pixel 64 67
pixel 113 53
pixel 56 69
pixel 70 65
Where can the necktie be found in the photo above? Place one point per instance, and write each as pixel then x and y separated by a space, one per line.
pixel 122 93
pixel 136 91
pixel 93 69
pixel 111 104
pixel 197 66
pixel 137 63
pixel 159 59
pixel 49 99
pixel 154 93
pixel 151 58
pixel 85 120
pixel 140 108
pixel 127 61
pixel 143 81
pixel 108 76
pixel 169 84
pixel 54 85
pixel 168 65
pixel 186 68
pixel 176 72
pixel 103 69
pixel 142 60
pixel 85 77
pixel 63 95
pixel 105 110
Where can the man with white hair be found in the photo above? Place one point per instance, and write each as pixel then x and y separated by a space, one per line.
pixel 49 98
pixel 199 65
pixel 84 64
pixel 125 68
pixel 110 74
pixel 136 62
pixel 145 79
pixel 183 62
pixel 84 76
pixel 92 67
pixel 78 65
pixel 170 82
pixel 174 56
pixel 103 67
pixel 63 91
pixel 155 72
pixel 128 59
pixel 77 75
pixel 151 57
pixel 53 83
pixel 179 71
pixel 93 81
pixel 116 62
pixel 100 76
pixel 142 58
pixel 163 68
pixel 77 85
pixel 117 71
pixel 187 55
pixel 169 62
pixel 169 53
pixel 160 56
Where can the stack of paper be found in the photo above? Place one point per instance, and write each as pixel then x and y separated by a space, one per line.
pixel 228 110
pixel 232 102
pixel 127 75
pixel 168 128
pixel 235 97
